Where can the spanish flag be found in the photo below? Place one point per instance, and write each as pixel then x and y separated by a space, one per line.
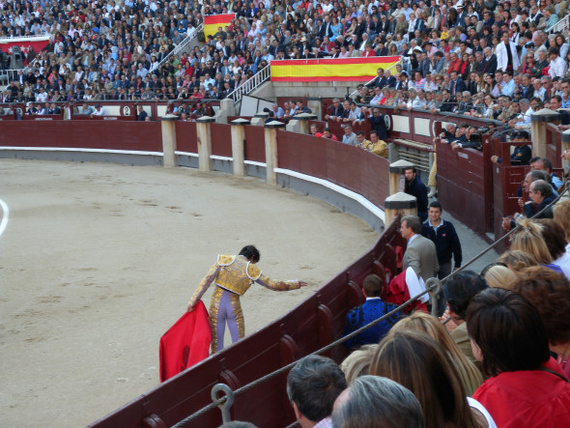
pixel 213 22
pixel 327 70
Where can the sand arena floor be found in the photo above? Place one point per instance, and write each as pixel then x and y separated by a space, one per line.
pixel 97 261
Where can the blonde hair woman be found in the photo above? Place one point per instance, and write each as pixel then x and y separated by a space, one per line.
pixel 469 375
pixel 529 239
pixel 358 363
pixel 415 361
pixel 498 276
pixel 517 260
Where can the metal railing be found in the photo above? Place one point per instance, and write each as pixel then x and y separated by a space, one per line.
pixel 561 26
pixel 182 45
pixel 19 38
pixel 250 84
pixel 6 76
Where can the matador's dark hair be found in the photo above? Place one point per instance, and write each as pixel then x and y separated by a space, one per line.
pixel 249 251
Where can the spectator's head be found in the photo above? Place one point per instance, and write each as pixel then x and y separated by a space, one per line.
pixel 410 225
pixel 435 210
pixel 416 361
pixel 541 164
pixel 549 292
pixel 459 290
pixel 357 362
pixel 497 275
pixel 553 236
pixel 410 174
pixel 517 260
pixel 422 322
pixel 313 385
pixel 374 401
pixel 553 53
pixel 533 175
pixel 506 332
pixel 562 216
pixel 373 286
pixel 374 137
pixel 539 190
pixel 528 238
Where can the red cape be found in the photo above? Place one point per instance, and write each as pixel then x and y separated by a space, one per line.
pixel 186 343
pixel 397 293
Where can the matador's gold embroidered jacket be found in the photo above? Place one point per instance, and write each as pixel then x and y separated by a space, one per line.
pixel 236 274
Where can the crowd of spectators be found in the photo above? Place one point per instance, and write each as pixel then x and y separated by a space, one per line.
pixel 499 354
pixel 507 367
pixel 454 56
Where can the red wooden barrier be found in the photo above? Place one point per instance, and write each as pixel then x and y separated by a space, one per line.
pixel 461 179
pixel 255 143
pixel 221 139
pixel 111 135
pixel 186 140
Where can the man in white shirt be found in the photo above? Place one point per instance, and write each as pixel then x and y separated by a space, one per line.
pixel 349 137
pixel 378 96
pixel 42 96
pixel 528 107
pixel 508 84
pixel 99 111
pixel 557 65
pixel 507 56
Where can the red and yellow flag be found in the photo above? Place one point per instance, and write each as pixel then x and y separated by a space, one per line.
pixel 327 70
pixel 213 22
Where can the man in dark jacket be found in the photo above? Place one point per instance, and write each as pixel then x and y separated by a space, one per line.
pixel 445 238
pixel 378 124
pixel 447 244
pixel 541 195
pixel 415 187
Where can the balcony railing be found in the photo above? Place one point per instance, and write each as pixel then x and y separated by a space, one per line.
pixel 561 25
pixel 6 76
pixel 250 84
pixel 180 47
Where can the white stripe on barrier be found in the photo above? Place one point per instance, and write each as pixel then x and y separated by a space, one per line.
pixel 67 149
pixel 5 215
pixel 338 189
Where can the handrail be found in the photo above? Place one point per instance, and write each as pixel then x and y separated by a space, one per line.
pixel 9 74
pixel 561 25
pixel 182 45
pixel 18 38
pixel 435 284
pixel 250 84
